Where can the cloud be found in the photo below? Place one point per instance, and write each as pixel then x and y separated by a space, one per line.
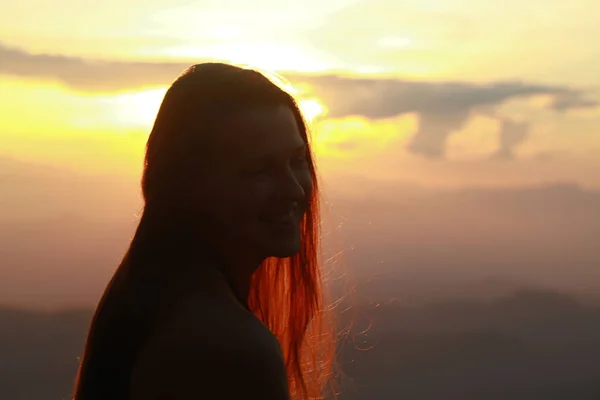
pixel 434 130
pixel 383 98
pixel 511 134
pixel 443 107
pixel 572 99
pixel 87 75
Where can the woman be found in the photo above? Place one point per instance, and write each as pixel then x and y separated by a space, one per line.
pixel 219 295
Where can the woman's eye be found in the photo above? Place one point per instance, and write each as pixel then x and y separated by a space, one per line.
pixel 258 170
pixel 301 160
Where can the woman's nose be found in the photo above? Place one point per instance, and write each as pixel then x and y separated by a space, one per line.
pixel 290 187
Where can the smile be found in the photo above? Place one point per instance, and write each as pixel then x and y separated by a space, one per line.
pixel 281 218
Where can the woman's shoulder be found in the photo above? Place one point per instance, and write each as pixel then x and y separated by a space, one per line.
pixel 209 319
pixel 209 314
pixel 208 338
pixel 213 317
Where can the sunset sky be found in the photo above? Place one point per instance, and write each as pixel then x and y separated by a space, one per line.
pixel 440 93
pixel 457 138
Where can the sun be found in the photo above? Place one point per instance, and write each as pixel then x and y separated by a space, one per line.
pixel 134 109
pixel 312 109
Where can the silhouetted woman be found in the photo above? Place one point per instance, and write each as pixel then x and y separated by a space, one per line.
pixel 219 295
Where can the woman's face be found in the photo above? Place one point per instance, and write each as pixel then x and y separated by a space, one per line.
pixel 257 184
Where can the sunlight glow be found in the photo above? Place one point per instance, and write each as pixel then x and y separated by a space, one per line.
pixel 395 42
pixel 136 109
pixel 312 109
pixel 271 56
pixel 349 137
pixel 225 32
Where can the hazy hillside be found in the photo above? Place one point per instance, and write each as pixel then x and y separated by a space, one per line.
pixel 38 353
pixel 531 345
pixel 63 233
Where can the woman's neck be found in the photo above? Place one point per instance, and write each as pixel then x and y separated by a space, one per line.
pixel 237 274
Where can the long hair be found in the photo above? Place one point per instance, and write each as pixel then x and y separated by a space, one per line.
pixel 286 294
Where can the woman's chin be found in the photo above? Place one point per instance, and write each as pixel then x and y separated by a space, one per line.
pixel 284 249
pixel 282 242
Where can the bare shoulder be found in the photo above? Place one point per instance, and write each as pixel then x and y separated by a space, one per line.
pixel 210 348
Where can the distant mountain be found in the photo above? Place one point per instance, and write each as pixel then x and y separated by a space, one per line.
pixel 39 353
pixel 535 344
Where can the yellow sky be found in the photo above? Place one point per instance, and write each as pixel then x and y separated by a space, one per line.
pixel 548 46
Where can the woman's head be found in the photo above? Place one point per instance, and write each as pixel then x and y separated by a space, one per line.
pixel 229 158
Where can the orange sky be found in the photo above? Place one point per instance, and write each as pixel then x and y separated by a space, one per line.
pixel 442 93
pixel 477 95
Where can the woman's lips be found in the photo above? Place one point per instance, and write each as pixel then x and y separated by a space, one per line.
pixel 280 218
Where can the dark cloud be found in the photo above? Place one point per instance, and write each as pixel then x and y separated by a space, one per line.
pixel 572 99
pixel 443 107
pixel 385 98
pixel 511 135
pixel 434 130
pixel 87 75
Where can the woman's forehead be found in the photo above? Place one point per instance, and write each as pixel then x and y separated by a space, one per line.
pixel 259 132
